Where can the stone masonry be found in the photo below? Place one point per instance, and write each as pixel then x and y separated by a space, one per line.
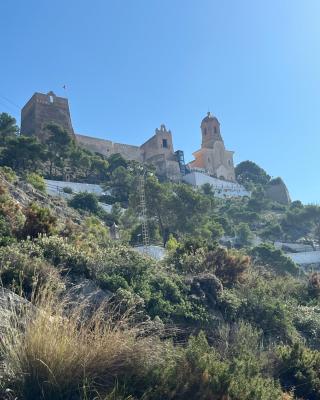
pixel 212 158
pixel 43 109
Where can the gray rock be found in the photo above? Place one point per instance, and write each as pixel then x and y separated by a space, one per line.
pixel 14 313
pixel 277 191
pixel 89 295
pixel 12 309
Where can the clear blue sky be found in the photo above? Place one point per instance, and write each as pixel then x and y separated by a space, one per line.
pixel 131 65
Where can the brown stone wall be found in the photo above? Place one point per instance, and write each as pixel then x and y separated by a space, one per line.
pixel 155 145
pixel 107 147
pixel 43 109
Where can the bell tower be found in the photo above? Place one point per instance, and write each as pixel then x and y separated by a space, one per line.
pixel 213 158
pixel 210 128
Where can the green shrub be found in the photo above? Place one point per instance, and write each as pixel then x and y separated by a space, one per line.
pixel 23 273
pixel 307 321
pixel 85 201
pixel 244 234
pixel 67 256
pixel 299 369
pixel 8 174
pixel 67 190
pixel 39 221
pixel 199 372
pixel 274 259
pixel 11 217
pixel 267 308
pixel 36 181
pixel 195 257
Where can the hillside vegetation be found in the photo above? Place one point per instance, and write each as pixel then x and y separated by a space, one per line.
pixel 86 317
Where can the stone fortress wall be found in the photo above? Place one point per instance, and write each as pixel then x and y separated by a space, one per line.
pixel 107 147
pixel 43 109
pixel 212 164
pixel 212 158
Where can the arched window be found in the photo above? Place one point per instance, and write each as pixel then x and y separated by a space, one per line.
pixel 215 129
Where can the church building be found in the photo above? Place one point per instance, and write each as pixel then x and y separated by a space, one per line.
pixel 213 158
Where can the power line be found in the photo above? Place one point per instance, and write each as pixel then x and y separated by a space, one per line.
pixel 7 107
pixel 10 101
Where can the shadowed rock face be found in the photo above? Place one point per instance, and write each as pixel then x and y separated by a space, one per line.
pixel 277 191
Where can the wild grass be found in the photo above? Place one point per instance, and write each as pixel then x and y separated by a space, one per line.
pixel 58 352
pixel 58 356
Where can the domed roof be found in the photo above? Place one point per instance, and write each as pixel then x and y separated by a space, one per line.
pixel 209 117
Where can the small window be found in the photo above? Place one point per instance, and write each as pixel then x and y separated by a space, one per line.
pixel 215 129
pixel 165 143
pixel 51 99
pixel 229 162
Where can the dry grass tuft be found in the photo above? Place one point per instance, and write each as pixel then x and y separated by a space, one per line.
pixel 61 357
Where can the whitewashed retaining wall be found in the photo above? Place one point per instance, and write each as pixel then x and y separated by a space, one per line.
pixel 222 189
pixel 307 257
pixel 55 188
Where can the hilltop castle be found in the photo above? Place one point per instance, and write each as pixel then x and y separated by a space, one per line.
pixel 212 158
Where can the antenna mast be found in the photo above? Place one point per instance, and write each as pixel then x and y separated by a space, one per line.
pixel 143 212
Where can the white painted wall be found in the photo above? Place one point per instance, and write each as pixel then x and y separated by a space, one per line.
pixel 156 252
pixel 53 187
pixel 299 247
pixel 307 257
pixel 222 189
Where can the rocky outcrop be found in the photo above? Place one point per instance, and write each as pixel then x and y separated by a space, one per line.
pixel 277 191
pixel 24 194
pixel 14 312
pixel 89 295
pixel 12 309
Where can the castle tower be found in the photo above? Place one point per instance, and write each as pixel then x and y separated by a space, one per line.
pixel 43 109
pixel 213 158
